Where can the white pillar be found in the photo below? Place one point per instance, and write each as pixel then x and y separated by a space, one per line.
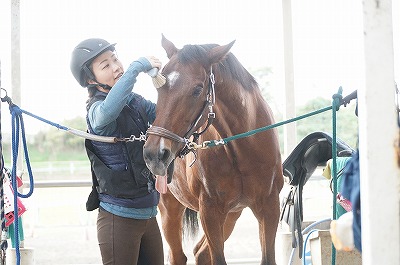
pixel 379 173
pixel 15 52
pixel 16 64
pixel 16 73
pixel 289 130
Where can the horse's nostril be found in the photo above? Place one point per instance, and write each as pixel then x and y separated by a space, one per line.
pixel 163 154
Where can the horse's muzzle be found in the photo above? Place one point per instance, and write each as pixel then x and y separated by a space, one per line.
pixel 157 157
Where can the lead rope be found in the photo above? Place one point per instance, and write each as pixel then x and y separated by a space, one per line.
pixel 338 102
pixel 17 120
pixel 98 138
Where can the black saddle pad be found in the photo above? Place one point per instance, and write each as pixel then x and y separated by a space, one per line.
pixel 315 149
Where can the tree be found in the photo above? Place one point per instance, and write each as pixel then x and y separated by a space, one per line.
pixel 346 121
pixel 54 141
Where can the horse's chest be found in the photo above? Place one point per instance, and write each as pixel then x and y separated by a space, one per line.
pixel 202 179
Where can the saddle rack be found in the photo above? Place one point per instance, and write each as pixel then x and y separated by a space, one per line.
pixel 313 151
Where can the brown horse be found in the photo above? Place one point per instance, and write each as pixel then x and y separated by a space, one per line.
pixel 204 81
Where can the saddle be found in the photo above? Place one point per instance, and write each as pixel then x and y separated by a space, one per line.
pixel 314 150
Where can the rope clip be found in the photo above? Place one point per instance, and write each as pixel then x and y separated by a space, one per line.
pixel 6 98
pixel 132 138
pixel 194 146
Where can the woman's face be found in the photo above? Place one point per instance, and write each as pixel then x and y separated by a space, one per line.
pixel 107 69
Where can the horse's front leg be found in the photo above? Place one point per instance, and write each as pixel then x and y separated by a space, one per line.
pixel 266 211
pixel 210 249
pixel 202 248
pixel 171 218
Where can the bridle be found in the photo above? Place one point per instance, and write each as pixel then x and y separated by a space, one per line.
pixel 189 145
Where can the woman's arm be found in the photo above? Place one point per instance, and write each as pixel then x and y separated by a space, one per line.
pixel 103 114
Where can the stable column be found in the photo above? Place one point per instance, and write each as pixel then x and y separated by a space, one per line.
pixel 378 131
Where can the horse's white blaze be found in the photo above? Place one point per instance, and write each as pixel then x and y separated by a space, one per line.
pixel 162 144
pixel 243 102
pixel 172 77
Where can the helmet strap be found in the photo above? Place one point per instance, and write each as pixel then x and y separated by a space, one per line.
pixel 91 76
pixel 100 85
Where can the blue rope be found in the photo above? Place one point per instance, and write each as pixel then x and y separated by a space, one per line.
pixel 17 109
pixel 17 121
pixel 14 109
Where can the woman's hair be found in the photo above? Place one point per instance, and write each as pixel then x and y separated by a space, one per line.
pixel 91 91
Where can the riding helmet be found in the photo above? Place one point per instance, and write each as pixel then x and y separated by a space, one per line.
pixel 83 54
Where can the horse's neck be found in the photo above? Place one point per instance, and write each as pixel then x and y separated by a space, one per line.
pixel 239 111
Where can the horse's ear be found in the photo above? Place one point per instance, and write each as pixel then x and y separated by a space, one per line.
pixel 215 55
pixel 168 46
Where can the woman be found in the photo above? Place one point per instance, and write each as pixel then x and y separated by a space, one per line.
pixel 123 187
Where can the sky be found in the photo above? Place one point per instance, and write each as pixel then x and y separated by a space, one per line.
pixel 327 39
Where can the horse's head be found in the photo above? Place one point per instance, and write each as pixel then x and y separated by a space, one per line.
pixel 182 102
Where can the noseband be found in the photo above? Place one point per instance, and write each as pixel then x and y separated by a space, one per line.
pixel 188 145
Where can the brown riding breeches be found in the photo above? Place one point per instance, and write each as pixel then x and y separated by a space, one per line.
pixel 126 241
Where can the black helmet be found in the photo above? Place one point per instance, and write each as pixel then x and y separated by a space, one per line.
pixel 83 54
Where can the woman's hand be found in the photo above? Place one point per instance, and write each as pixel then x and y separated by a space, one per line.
pixel 155 62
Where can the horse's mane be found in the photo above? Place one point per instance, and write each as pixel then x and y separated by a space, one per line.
pixel 229 66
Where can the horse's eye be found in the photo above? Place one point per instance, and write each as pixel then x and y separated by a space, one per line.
pixel 197 91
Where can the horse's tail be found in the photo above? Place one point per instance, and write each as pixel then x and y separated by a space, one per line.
pixel 190 224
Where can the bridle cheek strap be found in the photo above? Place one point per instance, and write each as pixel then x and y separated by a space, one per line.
pixel 210 101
